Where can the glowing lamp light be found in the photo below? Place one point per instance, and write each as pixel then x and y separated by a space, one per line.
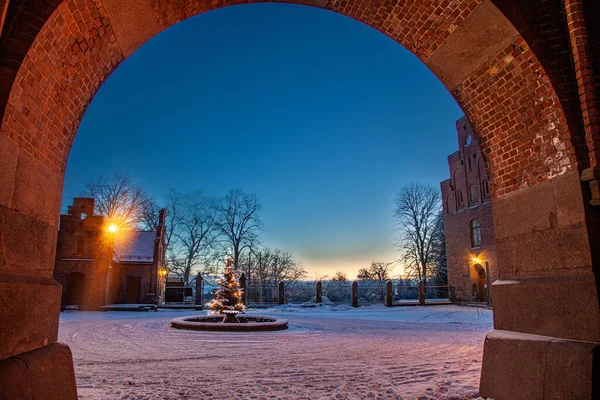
pixel 475 259
pixel 112 228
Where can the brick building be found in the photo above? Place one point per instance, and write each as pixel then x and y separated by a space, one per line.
pixel 97 267
pixel 468 221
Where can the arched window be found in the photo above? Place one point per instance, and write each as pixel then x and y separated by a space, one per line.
pixel 475 233
pixel 486 188
pixel 472 194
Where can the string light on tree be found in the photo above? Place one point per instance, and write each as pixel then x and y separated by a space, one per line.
pixel 228 297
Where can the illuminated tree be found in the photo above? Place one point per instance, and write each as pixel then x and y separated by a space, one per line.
pixel 229 295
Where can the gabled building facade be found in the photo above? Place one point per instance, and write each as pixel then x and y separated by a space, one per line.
pixel 97 267
pixel 468 221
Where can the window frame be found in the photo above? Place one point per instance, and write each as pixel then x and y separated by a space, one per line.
pixel 475 226
pixel 473 190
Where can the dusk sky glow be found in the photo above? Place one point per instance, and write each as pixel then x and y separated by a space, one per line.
pixel 320 116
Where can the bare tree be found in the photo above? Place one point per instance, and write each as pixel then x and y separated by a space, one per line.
pixel 119 199
pixel 380 270
pixel 194 233
pixel 238 222
pixel 151 215
pixel 439 267
pixel 272 266
pixel 364 274
pixel 340 276
pixel 418 208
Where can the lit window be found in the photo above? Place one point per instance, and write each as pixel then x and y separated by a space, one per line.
pixel 473 193
pixel 475 233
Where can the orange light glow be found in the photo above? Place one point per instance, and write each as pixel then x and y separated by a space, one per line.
pixel 112 228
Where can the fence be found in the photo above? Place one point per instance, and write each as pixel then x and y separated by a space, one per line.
pixel 337 292
pixel 371 292
pixel 262 295
pixel 357 293
pixel 300 292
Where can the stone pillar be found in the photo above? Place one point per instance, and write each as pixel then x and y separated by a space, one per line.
pixel 546 310
pixel 30 359
pixel 199 300
pixel 319 292
pixel 243 287
pixel 422 292
pixel 354 294
pixel 388 293
pixel 281 293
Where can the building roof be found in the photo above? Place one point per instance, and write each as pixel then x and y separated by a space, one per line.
pixel 135 246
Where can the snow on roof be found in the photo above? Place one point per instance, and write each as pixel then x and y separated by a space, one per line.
pixel 135 246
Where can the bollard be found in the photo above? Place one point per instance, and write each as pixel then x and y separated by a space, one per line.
pixel 281 293
pixel 354 294
pixel 243 287
pixel 319 294
pixel 388 293
pixel 422 293
pixel 198 301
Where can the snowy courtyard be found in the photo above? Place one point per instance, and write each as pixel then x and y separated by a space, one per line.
pixel 328 352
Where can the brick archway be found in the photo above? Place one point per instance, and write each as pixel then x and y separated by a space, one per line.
pixel 525 74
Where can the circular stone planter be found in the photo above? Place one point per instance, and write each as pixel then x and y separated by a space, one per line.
pixel 248 323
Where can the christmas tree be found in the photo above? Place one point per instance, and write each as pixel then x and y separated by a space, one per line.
pixel 228 296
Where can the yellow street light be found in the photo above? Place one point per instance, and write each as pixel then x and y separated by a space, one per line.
pixel 112 228
pixel 475 260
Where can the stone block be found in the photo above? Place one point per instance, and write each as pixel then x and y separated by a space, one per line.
pixel 519 366
pixel 523 212
pixel 38 190
pixel 558 306
pixel 133 22
pixel 29 310
pixel 553 204
pixel 552 251
pixel 567 191
pixel 51 372
pixel 45 373
pixel 482 35
pixel 14 380
pixel 29 245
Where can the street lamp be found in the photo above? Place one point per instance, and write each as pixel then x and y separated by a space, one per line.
pixel 112 228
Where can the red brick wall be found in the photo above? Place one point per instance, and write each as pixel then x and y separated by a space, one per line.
pixel 64 67
pixel 83 248
pixel 460 254
pixel 467 169
pixel 510 99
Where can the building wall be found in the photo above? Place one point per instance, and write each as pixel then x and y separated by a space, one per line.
pixel 83 248
pixel 467 171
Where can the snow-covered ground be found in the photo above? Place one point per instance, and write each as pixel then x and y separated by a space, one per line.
pixel 328 353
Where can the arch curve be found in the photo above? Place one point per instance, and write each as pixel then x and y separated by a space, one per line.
pixel 470 45
pixel 511 76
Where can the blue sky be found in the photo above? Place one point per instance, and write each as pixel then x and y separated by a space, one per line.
pixel 322 117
